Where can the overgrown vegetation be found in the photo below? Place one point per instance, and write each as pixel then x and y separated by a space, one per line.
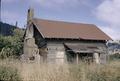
pixel 14 70
pixel 65 72
pixel 105 73
pixel 9 74
pixel 11 46
pixel 114 57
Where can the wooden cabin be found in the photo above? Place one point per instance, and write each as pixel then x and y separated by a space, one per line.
pixel 63 42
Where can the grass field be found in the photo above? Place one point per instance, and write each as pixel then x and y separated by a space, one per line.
pixel 65 72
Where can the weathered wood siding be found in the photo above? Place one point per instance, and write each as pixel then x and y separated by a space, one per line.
pixel 56 49
pixel 56 53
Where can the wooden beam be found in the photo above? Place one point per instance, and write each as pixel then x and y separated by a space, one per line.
pixel 97 58
pixel 77 58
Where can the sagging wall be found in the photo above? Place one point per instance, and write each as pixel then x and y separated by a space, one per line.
pixel 28 40
pixel 41 43
pixel 31 51
pixel 29 46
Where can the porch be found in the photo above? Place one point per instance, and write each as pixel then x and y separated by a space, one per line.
pixel 82 53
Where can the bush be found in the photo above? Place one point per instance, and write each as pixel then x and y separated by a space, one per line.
pixel 6 53
pixel 115 57
pixel 8 74
pixel 11 46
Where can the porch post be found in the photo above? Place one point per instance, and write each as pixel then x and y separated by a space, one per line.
pixel 77 58
pixel 97 58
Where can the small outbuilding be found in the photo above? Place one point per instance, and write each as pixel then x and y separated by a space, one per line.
pixel 63 42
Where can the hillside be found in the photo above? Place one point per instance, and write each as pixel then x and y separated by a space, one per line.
pixel 6 29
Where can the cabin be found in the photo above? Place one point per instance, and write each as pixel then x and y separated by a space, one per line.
pixel 63 42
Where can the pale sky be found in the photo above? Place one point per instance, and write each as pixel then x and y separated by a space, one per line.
pixel 103 13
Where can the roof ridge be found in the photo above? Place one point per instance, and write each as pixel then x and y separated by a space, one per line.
pixel 61 21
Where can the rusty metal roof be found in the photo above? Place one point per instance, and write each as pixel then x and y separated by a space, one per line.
pixel 60 29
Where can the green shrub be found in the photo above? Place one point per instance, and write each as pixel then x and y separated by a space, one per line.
pixel 115 57
pixel 11 46
pixel 8 74
pixel 6 53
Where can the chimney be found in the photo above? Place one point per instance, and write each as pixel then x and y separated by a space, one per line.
pixel 30 15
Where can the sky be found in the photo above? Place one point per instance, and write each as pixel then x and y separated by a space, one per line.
pixel 103 13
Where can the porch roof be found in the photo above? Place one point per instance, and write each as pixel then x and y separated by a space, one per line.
pixel 82 48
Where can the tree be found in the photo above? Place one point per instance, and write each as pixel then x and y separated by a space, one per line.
pixel 12 46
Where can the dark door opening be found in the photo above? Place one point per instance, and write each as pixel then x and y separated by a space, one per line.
pixel 85 57
pixel 79 57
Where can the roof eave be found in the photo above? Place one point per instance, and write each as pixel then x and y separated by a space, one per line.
pixel 38 29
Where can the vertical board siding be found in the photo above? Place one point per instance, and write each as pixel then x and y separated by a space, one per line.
pixel 56 53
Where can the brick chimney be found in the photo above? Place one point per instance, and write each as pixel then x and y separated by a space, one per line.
pixel 30 15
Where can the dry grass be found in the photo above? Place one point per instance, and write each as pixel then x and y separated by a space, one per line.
pixel 66 72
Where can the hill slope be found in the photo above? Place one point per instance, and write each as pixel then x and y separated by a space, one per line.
pixel 6 29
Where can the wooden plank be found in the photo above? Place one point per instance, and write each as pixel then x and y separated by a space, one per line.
pixel 77 58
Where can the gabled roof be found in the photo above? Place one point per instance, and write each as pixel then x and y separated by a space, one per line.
pixel 59 29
